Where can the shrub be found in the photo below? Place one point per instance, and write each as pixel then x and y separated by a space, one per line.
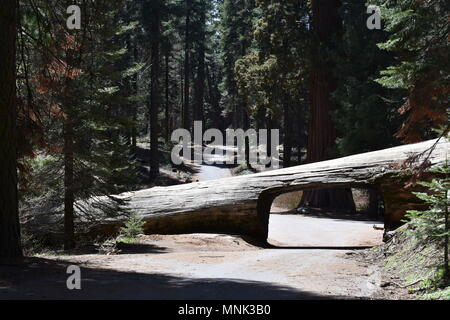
pixel 433 225
pixel 133 227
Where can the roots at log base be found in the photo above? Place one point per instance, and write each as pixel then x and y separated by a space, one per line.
pixel 241 205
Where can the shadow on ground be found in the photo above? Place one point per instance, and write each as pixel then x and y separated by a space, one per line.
pixel 141 248
pixel 267 245
pixel 321 213
pixel 38 278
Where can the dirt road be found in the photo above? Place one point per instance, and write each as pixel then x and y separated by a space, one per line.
pixel 310 258
pixel 203 266
pixel 307 231
pixel 213 172
pixel 207 172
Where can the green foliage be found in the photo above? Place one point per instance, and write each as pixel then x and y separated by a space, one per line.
pixel 133 227
pixel 74 79
pixel 418 34
pixel 432 226
pixel 438 295
pixel 31 245
pixel 436 282
pixel 275 67
pixel 417 31
pixel 429 224
pixel 366 119
pixel 249 57
pixel 237 18
pixel 272 77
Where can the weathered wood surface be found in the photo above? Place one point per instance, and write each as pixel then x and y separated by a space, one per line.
pixel 241 205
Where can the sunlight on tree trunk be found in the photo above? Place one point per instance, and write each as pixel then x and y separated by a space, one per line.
pixel 322 134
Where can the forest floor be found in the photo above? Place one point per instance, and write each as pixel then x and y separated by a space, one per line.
pixel 309 258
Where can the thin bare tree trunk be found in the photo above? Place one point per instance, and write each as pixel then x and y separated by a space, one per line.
pixel 200 83
pixel 301 131
pixel 186 110
pixel 155 92
pixel 69 196
pixel 247 140
pixel 287 143
pixel 167 109
pixel 135 107
pixel 181 117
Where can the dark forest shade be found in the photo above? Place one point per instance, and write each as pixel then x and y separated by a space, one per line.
pixel 187 48
pixel 9 217
pixel 200 80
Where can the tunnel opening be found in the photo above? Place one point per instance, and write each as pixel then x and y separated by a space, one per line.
pixel 293 225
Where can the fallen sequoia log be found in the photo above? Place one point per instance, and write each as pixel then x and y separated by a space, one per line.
pixel 241 205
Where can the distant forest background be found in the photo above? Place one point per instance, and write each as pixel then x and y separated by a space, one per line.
pixel 90 100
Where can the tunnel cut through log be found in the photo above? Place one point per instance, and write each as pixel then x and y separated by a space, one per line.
pixel 241 205
pixel 266 199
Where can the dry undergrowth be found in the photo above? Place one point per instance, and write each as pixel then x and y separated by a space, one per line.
pixel 409 266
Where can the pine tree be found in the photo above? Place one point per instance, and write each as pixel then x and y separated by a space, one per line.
pixel 199 96
pixel 152 12
pixel 213 70
pixel 129 100
pixel 187 67
pixel 270 78
pixel 236 29
pixel 432 226
pixel 366 119
pixel 78 82
pixel 418 36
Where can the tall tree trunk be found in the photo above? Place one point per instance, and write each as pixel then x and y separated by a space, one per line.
pixel 134 134
pixel 301 129
pixel 135 107
pixel 9 214
pixel 247 140
pixel 200 83
pixel 214 97
pixel 245 116
pixel 186 110
pixel 127 88
pixel 167 109
pixel 181 116
pixel 210 93
pixel 154 91
pixel 327 27
pixel 269 126
pixel 69 196
pixel 287 143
